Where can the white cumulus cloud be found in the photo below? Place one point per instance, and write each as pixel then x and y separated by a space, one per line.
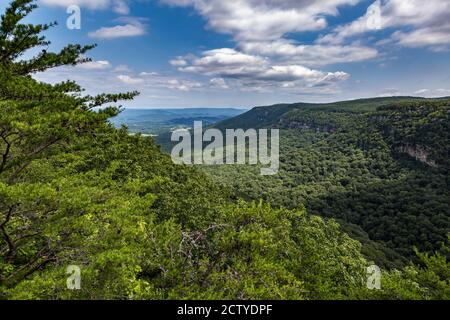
pixel 427 22
pixel 95 65
pixel 129 80
pixel 253 71
pixel 183 85
pixel 118 6
pixel 263 20
pixel 119 31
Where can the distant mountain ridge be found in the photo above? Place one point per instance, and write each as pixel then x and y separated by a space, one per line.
pixel 260 116
pixel 383 113
pixel 157 121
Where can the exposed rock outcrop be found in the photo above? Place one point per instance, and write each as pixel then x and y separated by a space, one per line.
pixel 419 153
pixel 313 127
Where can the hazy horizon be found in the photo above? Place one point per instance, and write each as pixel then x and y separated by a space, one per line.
pixel 304 101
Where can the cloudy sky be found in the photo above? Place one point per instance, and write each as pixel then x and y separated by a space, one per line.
pixel 242 53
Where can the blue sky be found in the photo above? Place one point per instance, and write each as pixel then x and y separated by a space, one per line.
pixel 243 53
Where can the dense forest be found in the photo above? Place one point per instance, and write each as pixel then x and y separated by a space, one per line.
pixel 379 166
pixel 76 191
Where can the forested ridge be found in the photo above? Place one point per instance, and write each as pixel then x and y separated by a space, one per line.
pixel 376 164
pixel 76 191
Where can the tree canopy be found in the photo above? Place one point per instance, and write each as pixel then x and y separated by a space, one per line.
pixel 76 191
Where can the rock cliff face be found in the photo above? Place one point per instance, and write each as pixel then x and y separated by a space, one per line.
pixel 313 127
pixel 419 153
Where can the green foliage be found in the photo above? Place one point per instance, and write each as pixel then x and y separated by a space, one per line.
pixel 262 117
pixel 357 163
pixel 76 191
pixel 430 280
pixel 419 127
pixel 249 252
